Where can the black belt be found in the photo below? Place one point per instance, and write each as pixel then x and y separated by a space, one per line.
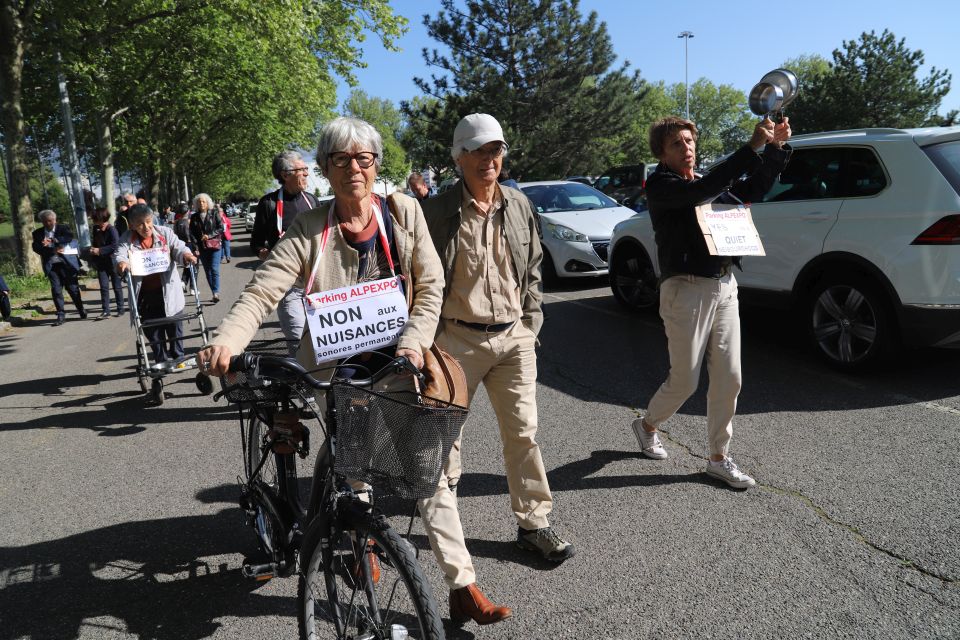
pixel 488 328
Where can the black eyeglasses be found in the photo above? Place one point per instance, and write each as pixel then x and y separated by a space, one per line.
pixel 300 170
pixel 342 159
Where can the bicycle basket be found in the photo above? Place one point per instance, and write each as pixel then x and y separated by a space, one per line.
pixel 394 440
pixel 239 388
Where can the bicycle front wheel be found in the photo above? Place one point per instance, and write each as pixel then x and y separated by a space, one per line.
pixel 360 579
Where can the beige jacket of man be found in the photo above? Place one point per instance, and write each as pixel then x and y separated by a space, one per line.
pixel 294 255
pixel 444 217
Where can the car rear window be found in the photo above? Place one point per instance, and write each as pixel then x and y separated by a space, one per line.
pixel 946 157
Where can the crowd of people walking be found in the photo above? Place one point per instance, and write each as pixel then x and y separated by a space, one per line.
pixel 469 260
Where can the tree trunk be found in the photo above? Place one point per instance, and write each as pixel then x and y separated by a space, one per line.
pixel 12 49
pixel 105 140
pixel 153 182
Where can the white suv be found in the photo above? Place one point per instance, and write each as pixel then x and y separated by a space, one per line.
pixel 862 236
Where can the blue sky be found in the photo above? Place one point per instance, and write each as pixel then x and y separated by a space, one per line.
pixel 734 43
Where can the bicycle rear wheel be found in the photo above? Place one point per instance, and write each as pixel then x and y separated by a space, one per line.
pixel 256 436
pixel 341 597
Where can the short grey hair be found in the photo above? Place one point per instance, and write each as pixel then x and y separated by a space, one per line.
pixel 123 196
pixel 202 196
pixel 138 212
pixel 343 133
pixel 47 213
pixel 283 161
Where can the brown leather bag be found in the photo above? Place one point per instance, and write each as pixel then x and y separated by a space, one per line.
pixel 445 379
pixel 444 376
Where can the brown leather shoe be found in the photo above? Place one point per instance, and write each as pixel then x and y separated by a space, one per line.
pixel 469 603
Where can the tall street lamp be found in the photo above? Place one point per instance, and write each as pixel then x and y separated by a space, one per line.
pixel 686 35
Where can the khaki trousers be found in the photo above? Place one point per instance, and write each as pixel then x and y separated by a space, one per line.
pixel 701 317
pixel 506 363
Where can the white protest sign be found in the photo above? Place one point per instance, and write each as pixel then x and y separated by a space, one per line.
pixel 149 261
pixel 354 319
pixel 729 230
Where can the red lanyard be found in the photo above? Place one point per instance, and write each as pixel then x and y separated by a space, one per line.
pixel 280 209
pixel 326 236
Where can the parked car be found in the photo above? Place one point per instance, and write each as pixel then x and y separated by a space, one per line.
pixel 625 184
pixel 587 180
pixel 575 222
pixel 249 215
pixel 861 233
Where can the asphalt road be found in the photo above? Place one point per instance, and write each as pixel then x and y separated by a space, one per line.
pixel 120 521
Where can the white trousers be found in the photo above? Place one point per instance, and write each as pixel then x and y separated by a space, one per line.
pixel 506 363
pixel 701 317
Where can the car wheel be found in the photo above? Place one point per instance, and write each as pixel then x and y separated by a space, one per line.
pixel 633 280
pixel 850 322
pixel 548 270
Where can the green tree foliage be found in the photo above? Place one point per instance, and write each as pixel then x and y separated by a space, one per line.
pixel 386 119
pixel 724 123
pixel 872 82
pixel 632 146
pixel 539 67
pixel 56 196
pixel 210 90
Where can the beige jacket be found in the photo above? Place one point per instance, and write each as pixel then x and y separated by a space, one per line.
pixel 292 258
pixel 443 213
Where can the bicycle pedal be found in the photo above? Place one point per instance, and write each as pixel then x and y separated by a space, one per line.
pixel 259 572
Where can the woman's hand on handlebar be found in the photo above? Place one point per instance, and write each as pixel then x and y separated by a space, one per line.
pixel 214 360
pixel 415 358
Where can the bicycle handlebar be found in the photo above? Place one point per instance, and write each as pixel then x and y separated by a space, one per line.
pixel 273 368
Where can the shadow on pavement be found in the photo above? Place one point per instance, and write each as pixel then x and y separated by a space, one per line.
pixel 8 343
pixel 122 417
pixel 150 576
pixel 56 386
pixel 579 476
pixel 621 358
pixel 250 265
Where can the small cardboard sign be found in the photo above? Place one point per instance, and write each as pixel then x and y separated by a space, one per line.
pixel 354 319
pixel 729 230
pixel 146 262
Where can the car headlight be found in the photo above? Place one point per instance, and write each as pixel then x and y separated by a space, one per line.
pixel 561 232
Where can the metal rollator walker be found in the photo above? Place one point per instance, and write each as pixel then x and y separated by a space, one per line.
pixel 150 374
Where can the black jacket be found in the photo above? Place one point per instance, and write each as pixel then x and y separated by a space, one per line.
pixel 62 236
pixel 211 226
pixel 107 241
pixel 265 232
pixel 681 248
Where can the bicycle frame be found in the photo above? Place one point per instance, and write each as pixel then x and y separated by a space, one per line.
pixel 327 489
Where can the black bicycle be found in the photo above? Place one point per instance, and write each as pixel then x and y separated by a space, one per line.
pixel 358 578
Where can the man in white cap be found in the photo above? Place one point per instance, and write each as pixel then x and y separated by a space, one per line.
pixel 486 237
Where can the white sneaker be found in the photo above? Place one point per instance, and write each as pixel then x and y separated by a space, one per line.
pixel 728 471
pixel 649 441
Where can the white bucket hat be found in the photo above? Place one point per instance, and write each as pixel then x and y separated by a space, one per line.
pixel 474 131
